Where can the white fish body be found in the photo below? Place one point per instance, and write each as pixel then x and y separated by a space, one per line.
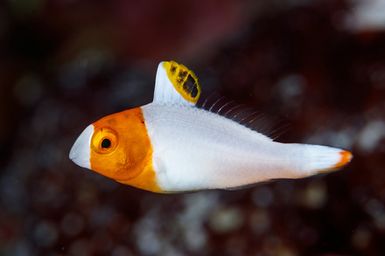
pixel 197 149
pixel 184 148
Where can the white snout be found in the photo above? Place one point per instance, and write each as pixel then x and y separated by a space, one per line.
pixel 80 151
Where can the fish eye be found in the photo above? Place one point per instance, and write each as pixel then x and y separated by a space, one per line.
pixel 104 141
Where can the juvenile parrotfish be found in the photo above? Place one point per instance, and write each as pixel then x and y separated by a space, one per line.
pixel 170 145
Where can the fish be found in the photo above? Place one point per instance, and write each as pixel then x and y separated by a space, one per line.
pixel 171 145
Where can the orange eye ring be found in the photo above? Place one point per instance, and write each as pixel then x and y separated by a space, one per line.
pixel 104 141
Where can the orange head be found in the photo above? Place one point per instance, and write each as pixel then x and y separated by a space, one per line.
pixel 118 146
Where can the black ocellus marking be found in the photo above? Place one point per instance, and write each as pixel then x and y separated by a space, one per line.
pixel 191 86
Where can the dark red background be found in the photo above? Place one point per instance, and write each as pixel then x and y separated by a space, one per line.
pixel 64 64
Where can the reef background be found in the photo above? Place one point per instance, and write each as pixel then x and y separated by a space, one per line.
pixel 318 66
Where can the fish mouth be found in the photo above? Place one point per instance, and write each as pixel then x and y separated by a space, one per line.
pixel 80 151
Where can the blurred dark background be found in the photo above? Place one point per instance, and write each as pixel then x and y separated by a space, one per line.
pixel 317 65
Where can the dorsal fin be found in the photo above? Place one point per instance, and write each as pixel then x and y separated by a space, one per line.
pixel 175 83
pixel 270 126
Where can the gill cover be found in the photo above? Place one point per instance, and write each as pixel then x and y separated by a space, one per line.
pixel 176 84
pixel 121 149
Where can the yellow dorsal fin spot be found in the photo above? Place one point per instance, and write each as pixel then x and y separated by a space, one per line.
pixel 183 80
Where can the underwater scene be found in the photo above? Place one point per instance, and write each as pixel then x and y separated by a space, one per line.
pixel 205 82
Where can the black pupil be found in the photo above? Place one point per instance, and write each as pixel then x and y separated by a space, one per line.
pixel 106 143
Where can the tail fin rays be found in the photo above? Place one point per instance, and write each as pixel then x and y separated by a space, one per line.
pixel 346 157
pixel 323 159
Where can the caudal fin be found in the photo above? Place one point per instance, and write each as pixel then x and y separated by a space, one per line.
pixel 323 159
